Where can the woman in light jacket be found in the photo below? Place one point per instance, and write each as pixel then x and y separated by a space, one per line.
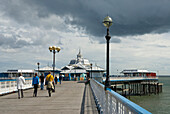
pixel 20 85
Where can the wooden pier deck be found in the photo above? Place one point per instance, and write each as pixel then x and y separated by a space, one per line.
pixel 70 97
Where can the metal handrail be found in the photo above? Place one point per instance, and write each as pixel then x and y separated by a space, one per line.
pixel 131 78
pixel 110 102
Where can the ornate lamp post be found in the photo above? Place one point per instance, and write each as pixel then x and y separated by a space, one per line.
pixel 38 67
pixel 91 70
pixel 107 22
pixel 54 49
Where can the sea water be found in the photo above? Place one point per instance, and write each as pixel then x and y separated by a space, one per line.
pixel 156 104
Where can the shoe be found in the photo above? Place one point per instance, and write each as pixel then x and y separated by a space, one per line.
pixel 18 97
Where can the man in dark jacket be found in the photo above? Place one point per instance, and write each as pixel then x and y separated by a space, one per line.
pixel 60 78
pixel 35 83
pixel 42 81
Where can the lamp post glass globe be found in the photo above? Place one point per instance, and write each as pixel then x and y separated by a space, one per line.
pixel 91 65
pixel 107 22
pixel 50 48
pixel 58 49
pixel 54 48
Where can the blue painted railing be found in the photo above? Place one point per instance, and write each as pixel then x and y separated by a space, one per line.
pixel 3 80
pixel 110 102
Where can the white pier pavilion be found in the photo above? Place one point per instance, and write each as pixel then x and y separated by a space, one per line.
pixel 80 68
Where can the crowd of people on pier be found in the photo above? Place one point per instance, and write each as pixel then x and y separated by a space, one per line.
pixel 49 81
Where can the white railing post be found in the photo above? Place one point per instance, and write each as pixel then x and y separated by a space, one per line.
pixel 111 105
pixel 106 103
pixel 13 85
pixel 5 87
pixel 10 86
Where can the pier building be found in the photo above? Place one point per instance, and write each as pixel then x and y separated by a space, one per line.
pixel 80 68
pixel 138 73
pixel 47 69
pixel 15 73
pixel 136 82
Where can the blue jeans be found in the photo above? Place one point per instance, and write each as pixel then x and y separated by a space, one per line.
pixel 42 85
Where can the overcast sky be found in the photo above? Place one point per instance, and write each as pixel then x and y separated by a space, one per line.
pixel 140 33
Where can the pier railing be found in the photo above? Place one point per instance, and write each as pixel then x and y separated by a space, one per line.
pixel 110 102
pixel 130 78
pixel 11 86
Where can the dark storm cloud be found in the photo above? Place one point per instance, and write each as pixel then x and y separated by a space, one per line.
pixel 12 42
pixel 160 46
pixel 113 40
pixel 116 40
pixel 130 17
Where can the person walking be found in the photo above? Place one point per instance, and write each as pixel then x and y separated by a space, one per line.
pixel 42 81
pixel 35 83
pixel 56 79
pixel 20 84
pixel 60 78
pixel 50 86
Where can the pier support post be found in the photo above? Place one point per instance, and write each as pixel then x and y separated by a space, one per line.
pixel 129 90
pixel 115 87
pixel 157 88
pixel 125 90
pixel 140 87
pixel 137 89
pixel 149 88
pixel 122 89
